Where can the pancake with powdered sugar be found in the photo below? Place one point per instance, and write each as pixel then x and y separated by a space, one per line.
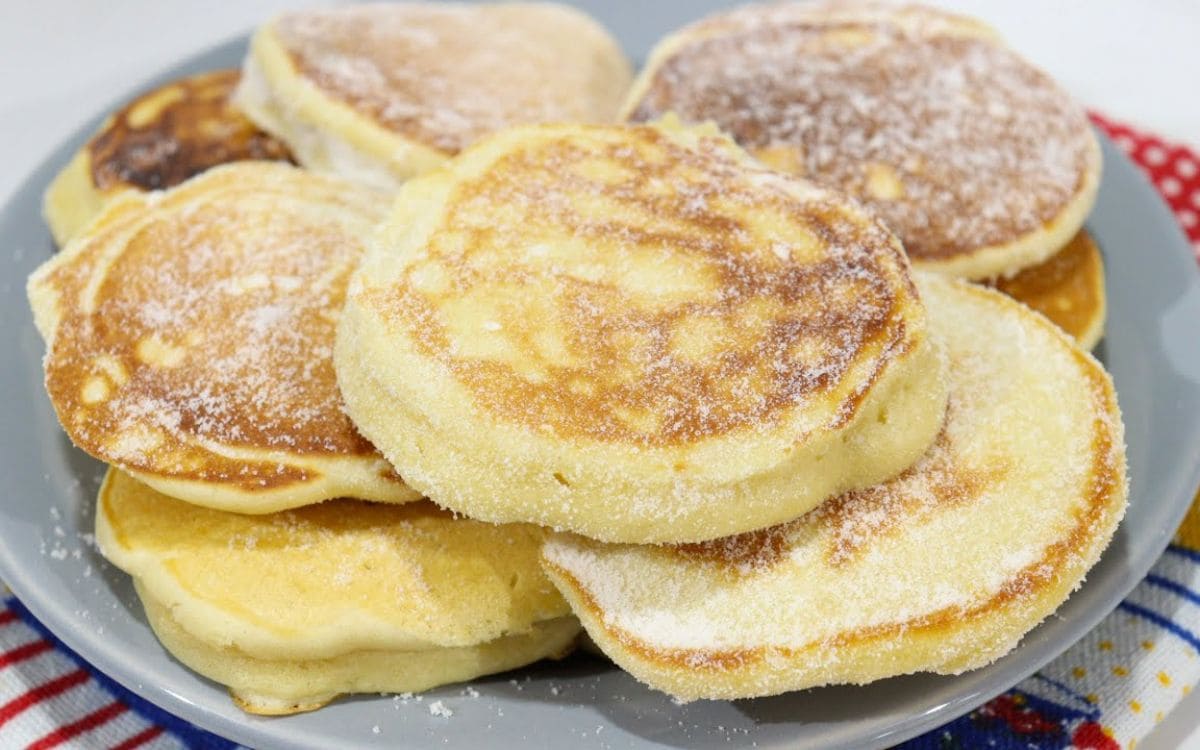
pixel 379 93
pixel 189 338
pixel 637 333
pixel 979 162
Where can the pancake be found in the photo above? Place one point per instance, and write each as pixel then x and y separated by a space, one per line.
pixel 379 93
pixel 291 609
pixel 190 333
pixel 276 687
pixel 942 569
pixel 1068 289
pixel 154 142
pixel 979 162
pixel 639 334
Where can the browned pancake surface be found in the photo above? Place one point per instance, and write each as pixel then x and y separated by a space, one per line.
pixel 175 132
pixel 1068 288
pixel 214 323
pixel 724 336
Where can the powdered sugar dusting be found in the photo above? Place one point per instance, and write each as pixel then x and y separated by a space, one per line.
pixel 952 138
pixel 445 74
pixel 214 324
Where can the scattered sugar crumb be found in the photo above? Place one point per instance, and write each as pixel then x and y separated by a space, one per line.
pixel 437 708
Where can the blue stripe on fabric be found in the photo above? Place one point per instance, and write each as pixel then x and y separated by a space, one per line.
pixel 1162 622
pixel 187 733
pixel 1175 588
pixel 1087 709
pixel 1191 554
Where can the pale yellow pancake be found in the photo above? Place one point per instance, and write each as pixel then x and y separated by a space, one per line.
pixel 1068 288
pixel 976 159
pixel 639 334
pixel 942 569
pixel 275 687
pixel 379 93
pixel 291 609
pixel 156 141
pixel 189 338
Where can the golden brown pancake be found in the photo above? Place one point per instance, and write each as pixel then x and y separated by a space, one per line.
pixel 979 162
pixel 941 569
pixel 154 142
pixel 190 332
pixel 637 333
pixel 291 609
pixel 1068 288
pixel 379 93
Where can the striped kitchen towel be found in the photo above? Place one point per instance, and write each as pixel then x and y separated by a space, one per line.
pixel 51 698
pixel 1107 691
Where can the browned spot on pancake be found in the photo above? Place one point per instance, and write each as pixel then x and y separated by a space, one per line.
pixel 977 146
pixel 170 134
pixel 1027 591
pixel 1067 288
pixel 794 307
pixel 747 553
pixel 215 324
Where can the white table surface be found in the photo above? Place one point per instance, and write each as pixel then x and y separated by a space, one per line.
pixel 63 61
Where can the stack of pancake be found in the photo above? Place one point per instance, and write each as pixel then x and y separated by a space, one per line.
pixel 493 364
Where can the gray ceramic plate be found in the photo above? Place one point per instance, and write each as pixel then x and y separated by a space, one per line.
pixel 46 517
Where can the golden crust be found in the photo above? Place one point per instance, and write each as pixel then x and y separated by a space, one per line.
pixel 292 609
pixel 878 583
pixel 977 160
pixel 627 331
pixel 1068 288
pixel 381 93
pixel 280 687
pixel 154 142
pixel 327 579
pixel 189 339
